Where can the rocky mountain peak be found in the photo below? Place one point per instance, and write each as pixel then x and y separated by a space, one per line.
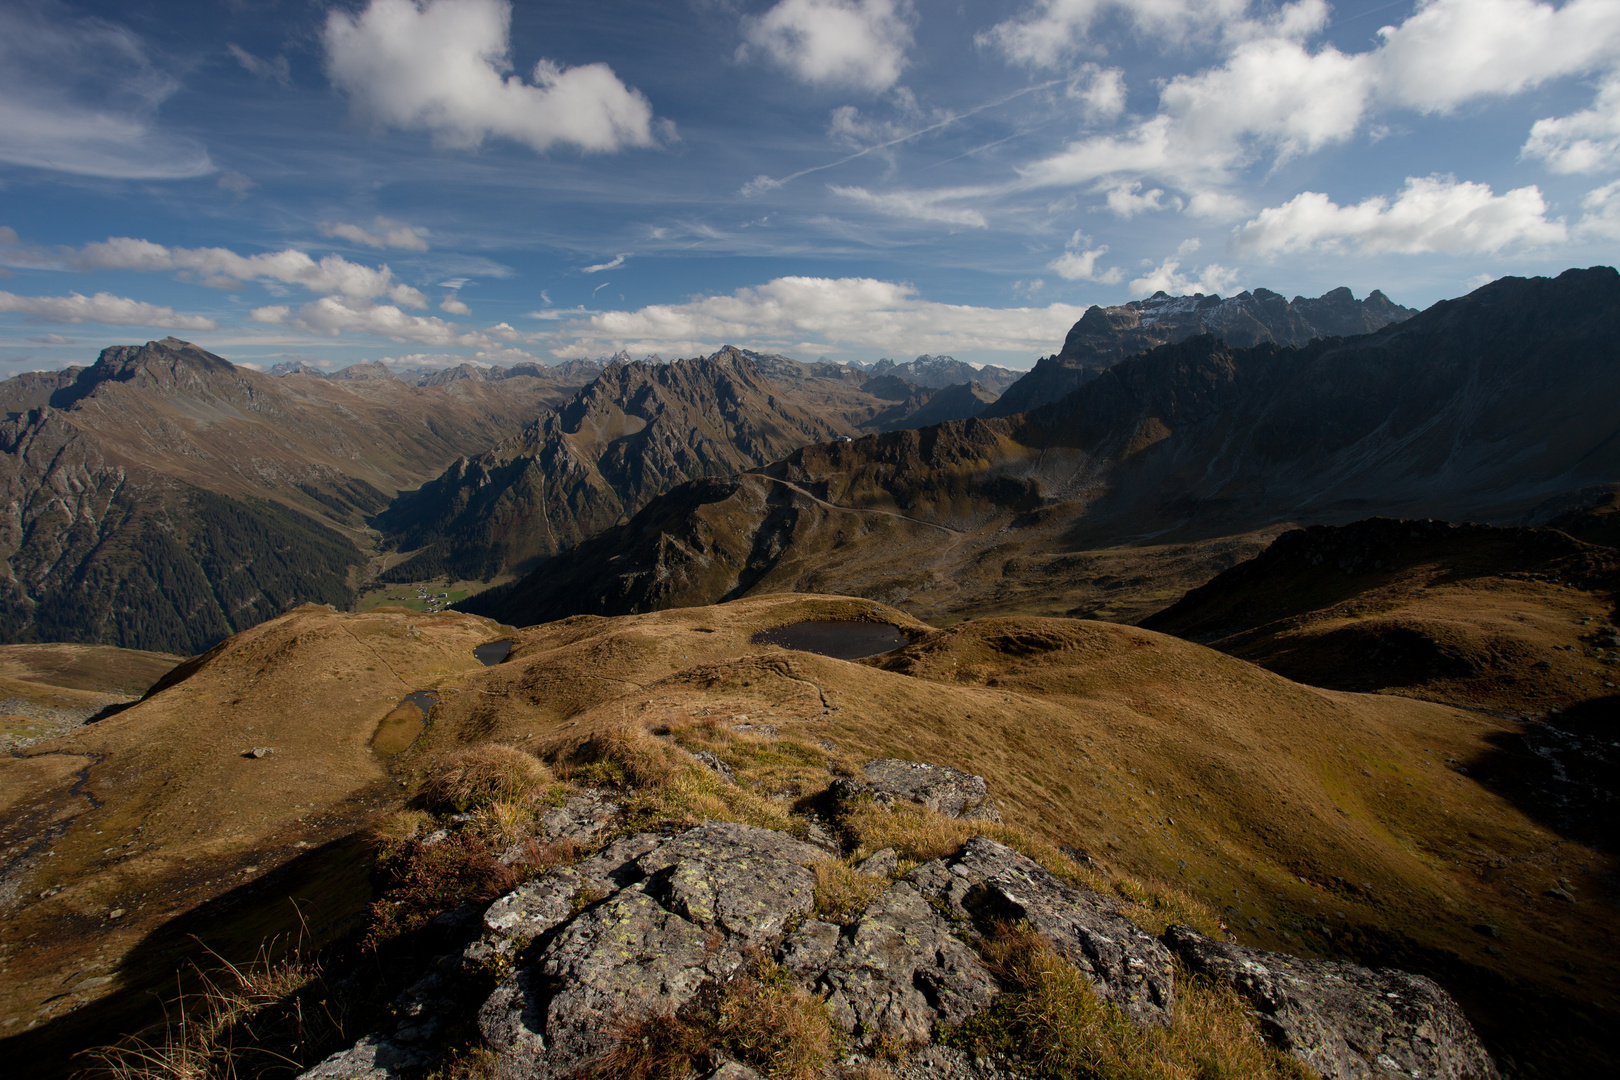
pixel 1105 336
pixel 375 369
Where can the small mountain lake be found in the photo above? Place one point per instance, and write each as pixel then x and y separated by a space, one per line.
pixel 494 652
pixel 843 640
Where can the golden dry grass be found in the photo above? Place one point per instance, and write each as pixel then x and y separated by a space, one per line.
pixel 842 892
pixel 758 1018
pixel 1052 1023
pixel 479 776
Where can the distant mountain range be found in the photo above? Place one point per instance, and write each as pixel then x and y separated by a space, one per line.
pixel 162 497
pixel 1481 407
pixel 939 372
pixel 521 463
pixel 1105 336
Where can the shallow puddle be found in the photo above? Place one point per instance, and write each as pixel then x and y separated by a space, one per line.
pixel 494 652
pixel 846 640
pixel 401 727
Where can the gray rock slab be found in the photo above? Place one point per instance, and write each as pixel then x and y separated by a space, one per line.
pixel 1344 1021
pixel 897 970
pixel 375 1057
pixel 581 819
pixel 673 913
pixel 988 880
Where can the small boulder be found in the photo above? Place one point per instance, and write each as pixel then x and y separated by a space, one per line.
pixel 898 971
pixel 1344 1021
pixel 940 788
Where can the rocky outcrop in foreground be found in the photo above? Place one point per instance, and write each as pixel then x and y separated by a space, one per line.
pixel 652 924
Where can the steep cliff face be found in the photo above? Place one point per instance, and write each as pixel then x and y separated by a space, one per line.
pixel 1105 336
pixel 163 497
pixel 632 434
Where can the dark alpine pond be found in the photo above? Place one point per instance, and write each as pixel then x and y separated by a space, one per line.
pixel 846 640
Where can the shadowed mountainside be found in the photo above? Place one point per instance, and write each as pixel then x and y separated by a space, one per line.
pixel 1480 407
pixel 1105 336
pixel 635 432
pixel 163 497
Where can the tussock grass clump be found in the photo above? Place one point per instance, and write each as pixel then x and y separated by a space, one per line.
pixel 483 774
pixel 404 825
pixel 694 794
pixel 758 1018
pixel 503 823
pixel 842 891
pixel 623 756
pixel 274 1015
pixel 1052 1022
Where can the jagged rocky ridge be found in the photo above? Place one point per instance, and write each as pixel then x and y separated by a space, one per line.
pixel 1105 336
pixel 1482 407
pixel 633 433
pixel 654 923
pixel 940 372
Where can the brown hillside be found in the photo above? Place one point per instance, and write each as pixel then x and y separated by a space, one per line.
pixel 1508 619
pixel 1318 821
pixel 123 837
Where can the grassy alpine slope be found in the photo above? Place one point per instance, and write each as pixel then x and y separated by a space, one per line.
pixel 1314 821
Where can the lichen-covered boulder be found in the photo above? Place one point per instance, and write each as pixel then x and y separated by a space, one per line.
pixel 896 972
pixel 988 880
pixel 1344 1021
pixel 650 920
pixel 940 788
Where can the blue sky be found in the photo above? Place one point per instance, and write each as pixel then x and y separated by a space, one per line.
pixel 432 179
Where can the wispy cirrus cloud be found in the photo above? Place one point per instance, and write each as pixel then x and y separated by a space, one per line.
pixel 612 264
pixel 83 95
pixel 384 233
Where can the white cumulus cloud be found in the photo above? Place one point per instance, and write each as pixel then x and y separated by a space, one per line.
pixel 1128 200
pixel 1276 94
pixel 444 66
pixel 1051 31
pixel 816 315
pixel 1448 52
pixel 856 43
pixel 384 233
pixel 1169 277
pixel 101 308
pixel 1430 214
pixel 1079 262
pixel 454 306
pixel 1602 206
pixel 223 267
pixel 1583 142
